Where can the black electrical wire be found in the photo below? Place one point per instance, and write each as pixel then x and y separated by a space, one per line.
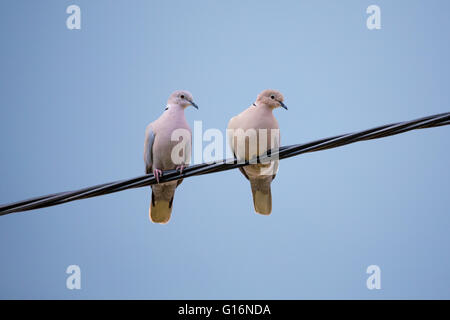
pixel 227 164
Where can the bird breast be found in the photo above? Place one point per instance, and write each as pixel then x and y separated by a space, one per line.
pixel 166 139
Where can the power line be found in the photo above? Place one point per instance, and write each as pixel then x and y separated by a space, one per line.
pixel 226 164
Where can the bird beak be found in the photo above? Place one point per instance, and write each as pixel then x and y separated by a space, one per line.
pixel 193 104
pixel 283 105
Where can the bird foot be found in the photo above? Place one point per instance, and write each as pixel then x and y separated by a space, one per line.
pixel 180 168
pixel 157 173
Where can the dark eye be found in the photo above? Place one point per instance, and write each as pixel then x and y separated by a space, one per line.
pixel 182 96
pixel 273 97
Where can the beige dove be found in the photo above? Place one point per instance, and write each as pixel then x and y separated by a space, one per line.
pixel 260 120
pixel 167 146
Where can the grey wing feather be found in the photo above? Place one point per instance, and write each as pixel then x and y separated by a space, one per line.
pixel 148 149
pixel 243 172
pixel 241 169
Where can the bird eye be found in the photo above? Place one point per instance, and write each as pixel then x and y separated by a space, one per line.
pixel 182 96
pixel 273 97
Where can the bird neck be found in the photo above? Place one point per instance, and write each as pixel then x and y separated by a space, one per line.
pixel 262 107
pixel 174 108
pixel 175 112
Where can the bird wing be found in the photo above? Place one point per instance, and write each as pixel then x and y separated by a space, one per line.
pixel 148 149
pixel 231 126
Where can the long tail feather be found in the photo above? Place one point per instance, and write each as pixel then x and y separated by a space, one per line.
pixel 161 205
pixel 262 198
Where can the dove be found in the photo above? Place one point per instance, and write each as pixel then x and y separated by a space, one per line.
pixel 259 119
pixel 162 152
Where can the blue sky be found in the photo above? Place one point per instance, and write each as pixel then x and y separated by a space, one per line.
pixel 75 103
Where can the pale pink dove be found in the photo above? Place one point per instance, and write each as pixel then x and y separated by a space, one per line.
pixel 167 146
pixel 259 120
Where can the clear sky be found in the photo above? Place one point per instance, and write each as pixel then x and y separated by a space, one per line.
pixel 75 104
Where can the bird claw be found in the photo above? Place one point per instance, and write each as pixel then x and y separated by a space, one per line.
pixel 157 173
pixel 180 168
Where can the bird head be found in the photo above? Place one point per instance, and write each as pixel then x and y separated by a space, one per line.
pixel 271 98
pixel 182 98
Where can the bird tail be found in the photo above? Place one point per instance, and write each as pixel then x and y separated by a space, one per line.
pixel 160 208
pixel 262 197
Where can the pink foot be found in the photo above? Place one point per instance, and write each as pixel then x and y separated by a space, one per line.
pixel 157 173
pixel 180 168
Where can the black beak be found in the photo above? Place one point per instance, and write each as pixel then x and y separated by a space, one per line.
pixel 283 105
pixel 193 104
